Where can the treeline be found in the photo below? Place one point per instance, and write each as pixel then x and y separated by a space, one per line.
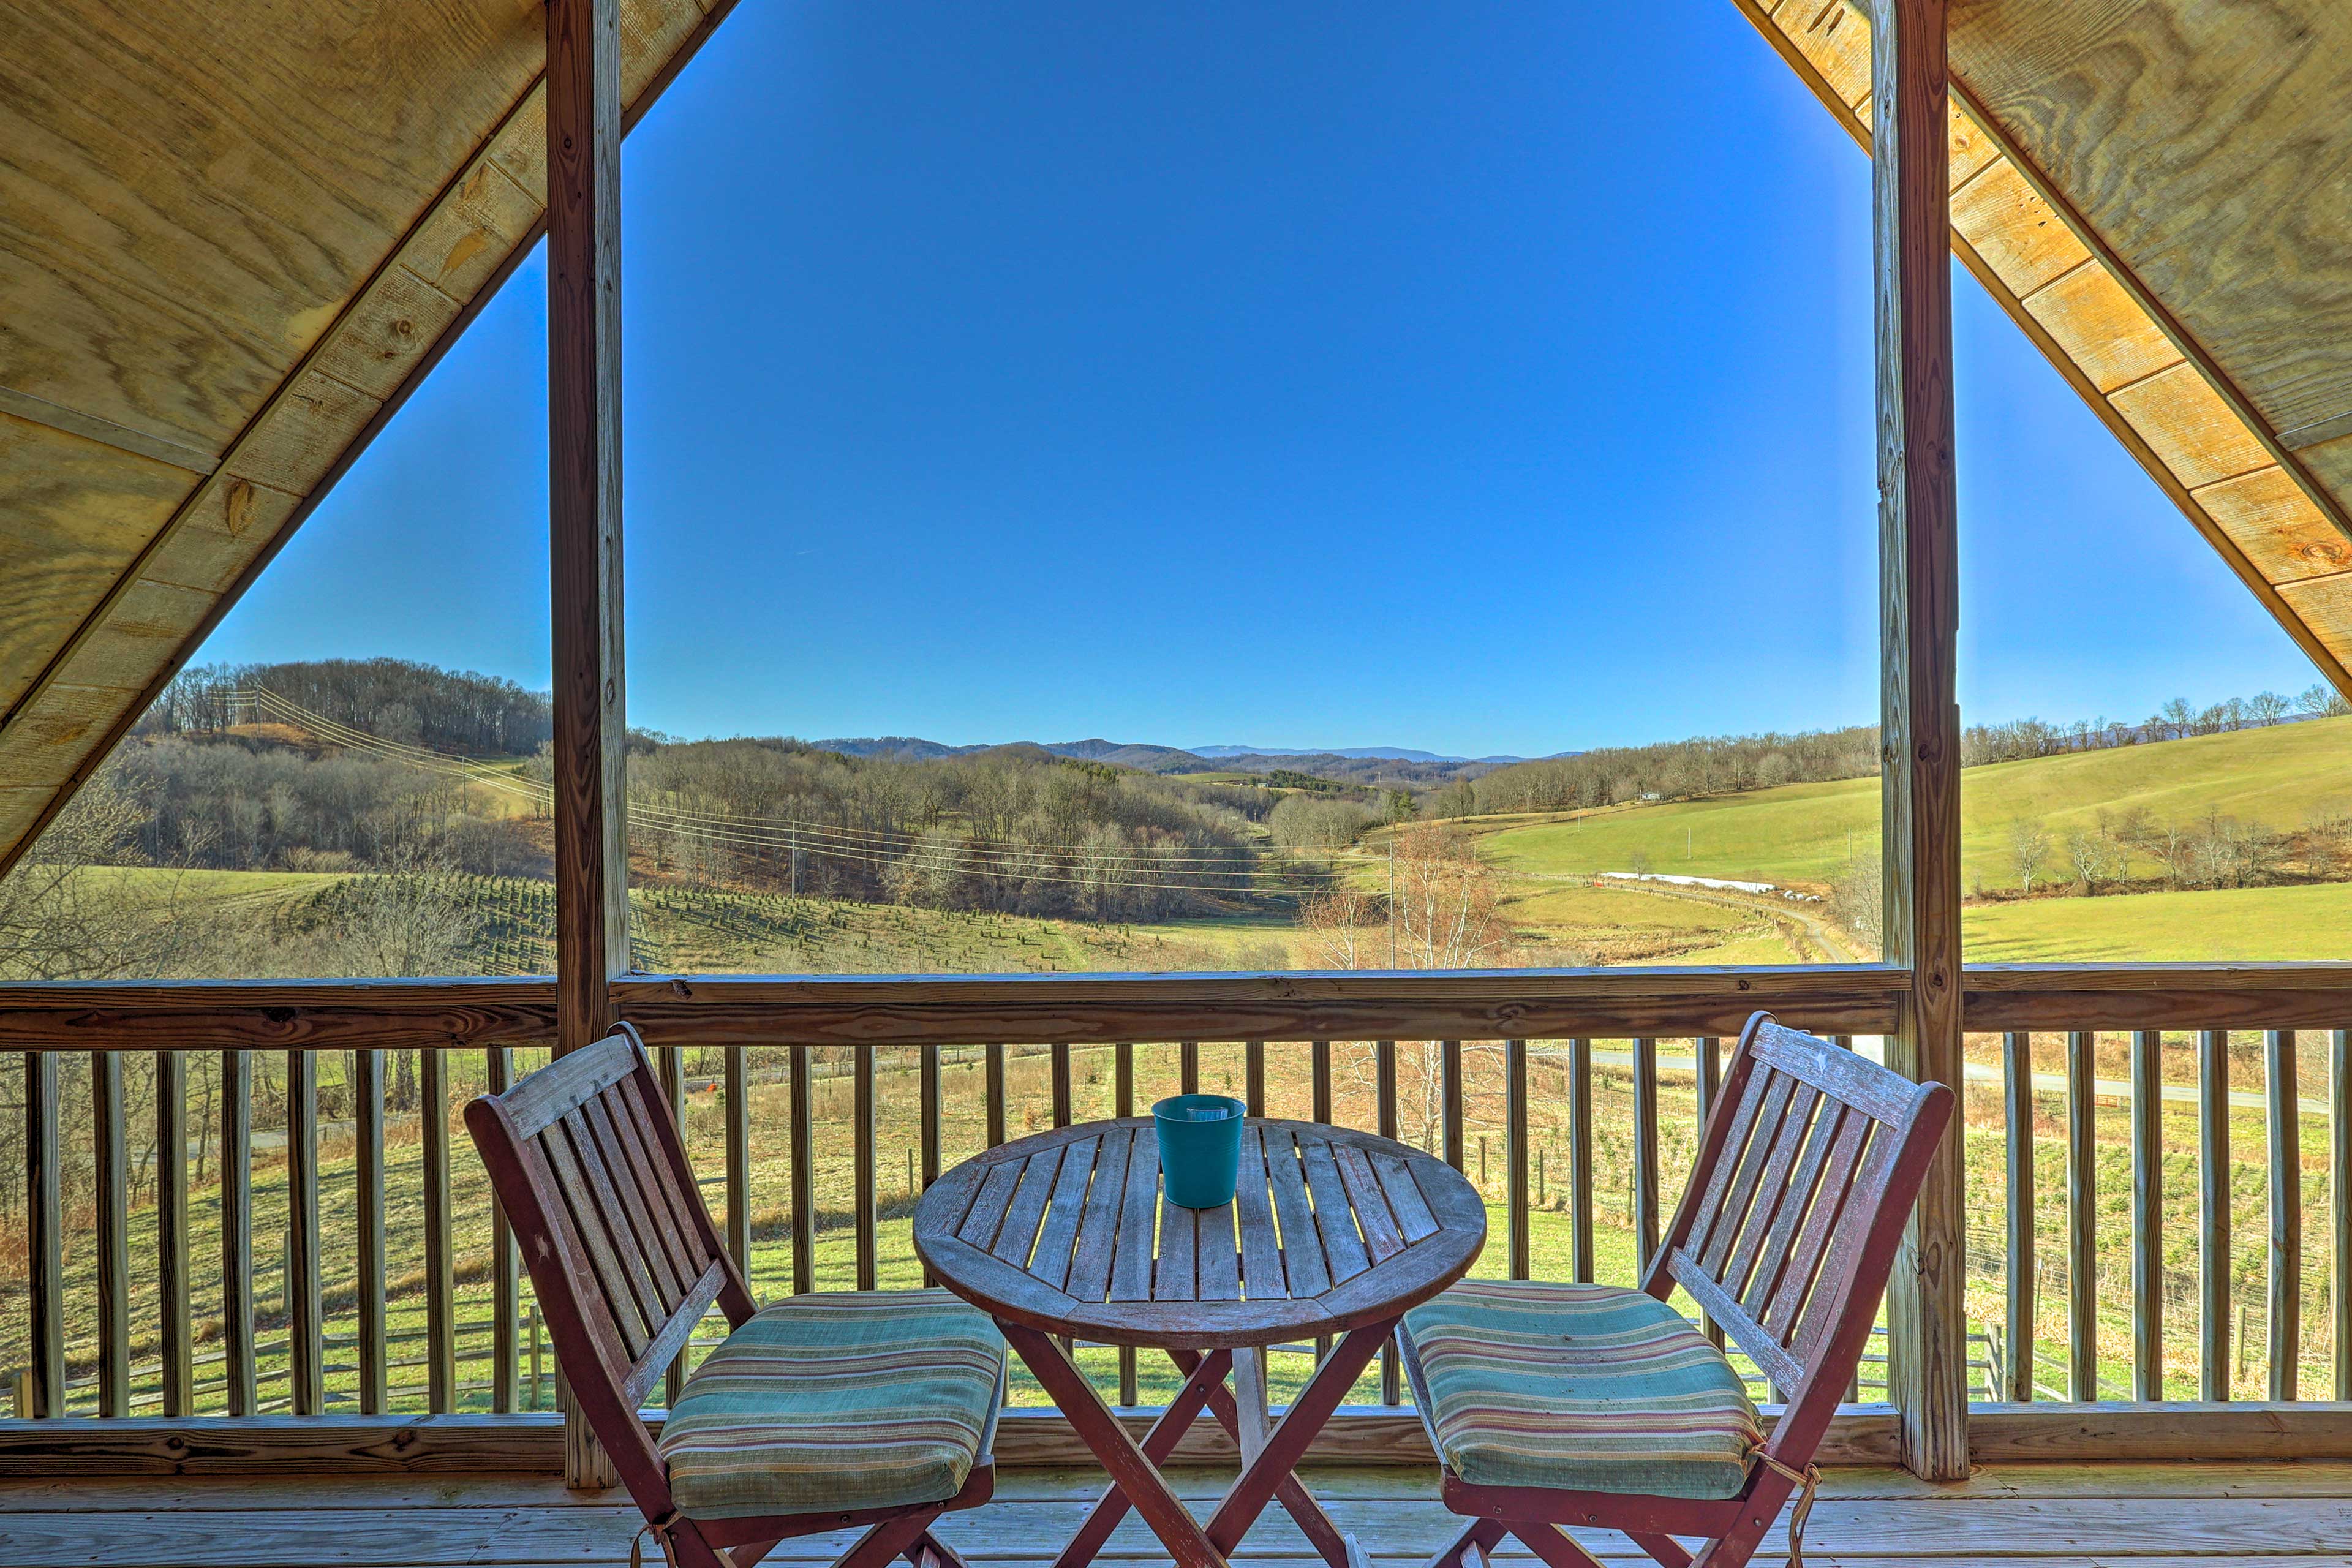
pixel 1714 764
pixel 236 803
pixel 2176 721
pixel 398 699
pixel 1725 764
pixel 1016 829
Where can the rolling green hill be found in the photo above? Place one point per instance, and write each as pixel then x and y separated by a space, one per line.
pixel 2282 777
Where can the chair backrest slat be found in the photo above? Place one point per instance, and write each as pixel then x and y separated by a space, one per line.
pixel 639 1230
pixel 1724 1229
pixel 589 1165
pixel 1832 1188
pixel 1807 1171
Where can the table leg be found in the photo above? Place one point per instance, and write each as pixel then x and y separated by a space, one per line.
pixel 1292 1493
pixel 1204 1380
pixel 1130 1467
pixel 1286 1444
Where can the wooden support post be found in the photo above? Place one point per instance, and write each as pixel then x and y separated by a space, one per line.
pixel 2286 1214
pixel 45 1236
pixel 1579 1162
pixel 1318 1072
pixel 113 1172
pixel 1646 1219
pixel 862 1164
pixel 367 1109
pixel 2339 1203
pixel 2147 1215
pixel 802 1130
pixel 2214 1370
pixel 1122 1104
pixel 306 1351
pixel 2082 1219
pixel 497 1067
pixel 440 1240
pixel 173 1280
pixel 2017 1099
pixel 1920 603
pixel 584 418
pixel 739 1158
pixel 993 1092
pixel 1514 1152
pixel 237 1230
pixel 1451 1096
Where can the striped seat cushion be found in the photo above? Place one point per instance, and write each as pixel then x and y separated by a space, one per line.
pixel 830 1402
pixel 1579 1388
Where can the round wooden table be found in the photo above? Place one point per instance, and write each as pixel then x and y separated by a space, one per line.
pixel 1331 1234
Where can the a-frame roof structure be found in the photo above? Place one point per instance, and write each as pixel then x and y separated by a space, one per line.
pixel 232 236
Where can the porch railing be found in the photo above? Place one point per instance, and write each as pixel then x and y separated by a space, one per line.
pixel 262 1201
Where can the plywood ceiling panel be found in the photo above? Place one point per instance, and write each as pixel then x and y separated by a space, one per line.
pixel 232 236
pixel 2210 144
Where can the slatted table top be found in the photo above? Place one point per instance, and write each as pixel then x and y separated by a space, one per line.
pixel 1067 1232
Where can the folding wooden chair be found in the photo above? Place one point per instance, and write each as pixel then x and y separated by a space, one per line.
pixel 819 1413
pixel 1599 1407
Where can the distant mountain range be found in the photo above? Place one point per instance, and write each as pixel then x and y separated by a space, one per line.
pixel 1355 764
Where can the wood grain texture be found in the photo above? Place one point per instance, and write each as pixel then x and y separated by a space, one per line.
pixel 1919 611
pixel 271 309
pixel 2166 125
pixel 2107 326
pixel 1043 1232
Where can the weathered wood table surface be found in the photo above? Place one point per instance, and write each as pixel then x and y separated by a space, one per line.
pixel 1331 1234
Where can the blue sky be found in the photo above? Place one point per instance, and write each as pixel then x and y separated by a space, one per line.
pixel 1480 378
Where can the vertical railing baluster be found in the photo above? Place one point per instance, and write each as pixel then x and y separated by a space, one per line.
pixel 1645 1149
pixel 862 1163
pixel 1450 1097
pixel 1514 1152
pixel 2214 1368
pixel 1122 1090
pixel 1385 1088
pixel 1253 1077
pixel 306 1351
pixel 1579 1160
pixel 44 1234
pixel 367 1112
pixel 1319 1069
pixel 2339 1203
pixel 237 1230
pixel 1059 1054
pixel 992 1057
pixel 1384 1114
pixel 1853 1382
pixel 497 1067
pixel 440 1277
pixel 2285 1107
pixel 927 1117
pixel 1188 1067
pixel 1710 1089
pixel 113 1172
pixel 2081 1213
pixel 804 1142
pixel 2017 1106
pixel 173 1280
pixel 738 1157
pixel 2147 1214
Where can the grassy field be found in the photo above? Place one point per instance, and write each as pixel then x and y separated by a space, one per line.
pixel 2280 776
pixel 2238 923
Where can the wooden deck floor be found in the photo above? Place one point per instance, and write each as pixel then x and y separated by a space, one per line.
pixel 2058 1516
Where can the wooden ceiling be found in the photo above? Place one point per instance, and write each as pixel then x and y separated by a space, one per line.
pixel 2160 193
pixel 234 234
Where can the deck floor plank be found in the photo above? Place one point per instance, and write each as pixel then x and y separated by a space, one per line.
pixel 2257 1515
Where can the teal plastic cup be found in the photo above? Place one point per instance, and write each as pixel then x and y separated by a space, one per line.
pixel 1200 1148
